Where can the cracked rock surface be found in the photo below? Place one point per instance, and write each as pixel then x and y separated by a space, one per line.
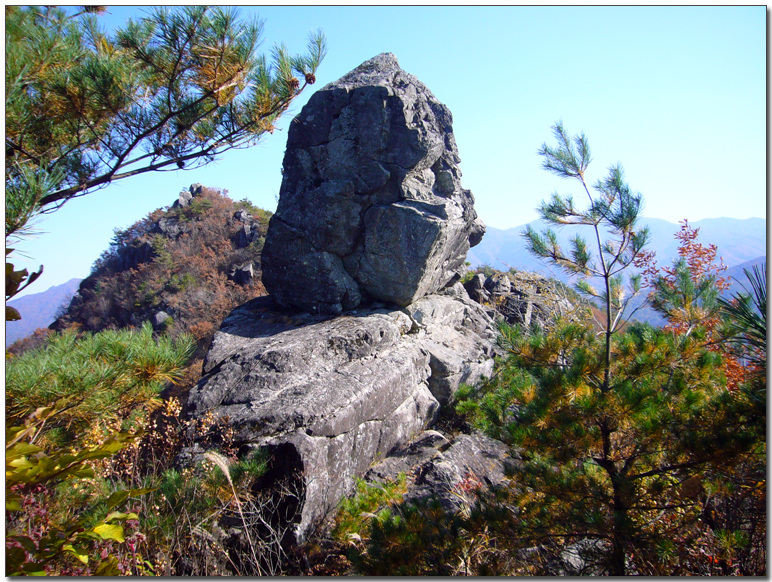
pixel 366 331
pixel 371 205
pixel 339 392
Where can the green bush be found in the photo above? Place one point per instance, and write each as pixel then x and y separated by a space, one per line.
pixel 105 380
pixel 371 501
pixel 179 283
pixel 426 538
pixel 161 252
pixel 262 215
pixel 197 208
pixel 37 543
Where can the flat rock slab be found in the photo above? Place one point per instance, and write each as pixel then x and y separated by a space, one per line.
pixel 340 392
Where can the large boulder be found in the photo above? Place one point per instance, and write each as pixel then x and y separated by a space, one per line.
pixel 366 331
pixel 371 204
pixel 331 395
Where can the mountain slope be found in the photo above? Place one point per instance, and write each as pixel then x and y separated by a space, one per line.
pixel 38 310
pixel 736 274
pixel 182 268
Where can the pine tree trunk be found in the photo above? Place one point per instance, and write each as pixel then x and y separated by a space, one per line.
pixel 617 559
pixel 621 531
pixel 620 504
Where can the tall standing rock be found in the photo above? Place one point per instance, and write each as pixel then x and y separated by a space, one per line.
pixel 371 208
pixel 371 204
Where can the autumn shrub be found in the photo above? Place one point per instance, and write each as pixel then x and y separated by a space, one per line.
pixel 207 510
pixel 186 509
pixel 388 536
pixel 71 405
pixel 56 521
pixel 115 497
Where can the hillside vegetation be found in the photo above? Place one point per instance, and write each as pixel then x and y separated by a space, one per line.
pixel 102 398
pixel 180 261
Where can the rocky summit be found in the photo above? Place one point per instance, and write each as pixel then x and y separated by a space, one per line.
pixel 366 331
pixel 371 204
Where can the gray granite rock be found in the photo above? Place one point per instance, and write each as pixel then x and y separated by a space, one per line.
pixel 242 274
pixel 184 199
pixel 159 320
pixel 340 392
pixel 475 287
pixel 521 298
pixel 471 461
pixel 371 204
pixel 445 468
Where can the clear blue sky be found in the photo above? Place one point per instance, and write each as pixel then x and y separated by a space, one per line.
pixel 677 95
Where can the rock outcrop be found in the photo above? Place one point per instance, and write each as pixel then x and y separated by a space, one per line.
pixel 336 393
pixel 371 204
pixel 443 469
pixel 521 298
pixel 366 331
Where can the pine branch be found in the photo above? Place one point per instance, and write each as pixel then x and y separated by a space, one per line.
pixel 183 67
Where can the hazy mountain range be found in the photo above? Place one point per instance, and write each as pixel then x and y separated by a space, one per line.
pixel 38 309
pixel 741 243
pixel 737 240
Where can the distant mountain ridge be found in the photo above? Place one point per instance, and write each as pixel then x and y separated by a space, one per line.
pixel 38 309
pixel 741 243
pixel 738 241
pixel 738 280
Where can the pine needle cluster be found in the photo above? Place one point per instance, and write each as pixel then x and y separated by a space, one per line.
pixel 173 89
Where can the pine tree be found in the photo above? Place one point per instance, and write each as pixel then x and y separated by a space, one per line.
pixel 96 378
pixel 171 90
pixel 621 432
pixel 612 215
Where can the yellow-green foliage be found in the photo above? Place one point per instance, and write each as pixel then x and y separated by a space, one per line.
pixel 36 544
pixel 372 500
pixel 100 379
pixel 427 538
pixel 65 401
